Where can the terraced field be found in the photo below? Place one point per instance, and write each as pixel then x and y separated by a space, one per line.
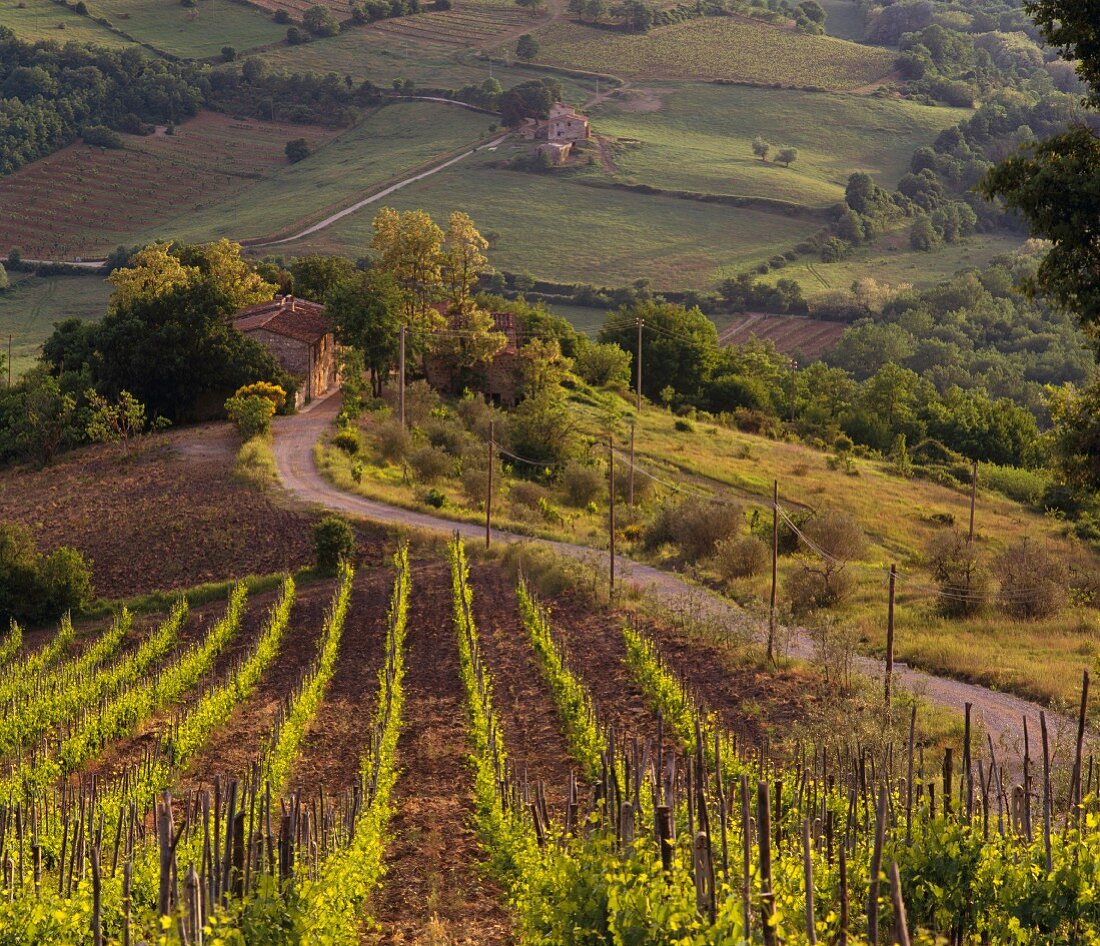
pixel 739 50
pixel 84 201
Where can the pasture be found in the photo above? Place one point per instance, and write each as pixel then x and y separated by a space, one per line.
pixel 561 229
pixel 699 138
pixel 30 307
pixel 196 32
pixel 728 48
pixel 84 201
pixel 34 20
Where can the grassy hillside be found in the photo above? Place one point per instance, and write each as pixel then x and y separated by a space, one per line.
pixel 561 229
pixel 33 20
pixel 741 50
pixel 29 309
pixel 198 32
pixel 699 137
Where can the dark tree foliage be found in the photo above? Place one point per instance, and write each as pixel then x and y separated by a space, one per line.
pixel 529 100
pixel 1074 27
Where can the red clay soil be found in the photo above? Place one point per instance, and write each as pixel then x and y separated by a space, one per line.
pixel 337 739
pixel 235 746
pixel 533 732
pixel 436 890
pixel 171 516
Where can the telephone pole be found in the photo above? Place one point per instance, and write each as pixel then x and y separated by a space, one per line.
pixel 638 359
pixel 632 465
pixel 890 634
pixel 489 492
pixel 401 378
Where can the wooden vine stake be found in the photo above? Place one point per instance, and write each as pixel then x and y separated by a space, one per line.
pixel 611 516
pixel 876 866
pixel 764 832
pixel 489 493
pixel 901 922
pixel 775 571
pixel 808 873
pixel 890 635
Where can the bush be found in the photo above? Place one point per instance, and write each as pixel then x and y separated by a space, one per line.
pixel 809 590
pixel 430 464
pixel 421 402
pixel 582 484
pixel 643 485
pixel 740 557
pixel 295 37
pixel 602 363
pixel 321 21
pixel 282 17
pixel 228 53
pixel 1033 581
pixel 435 498
pixel 1024 486
pixel 684 426
pixel 297 149
pixel 36 587
pixel 959 573
pixel 394 441
pixel 696 526
pixel 333 543
pixel 273 392
pixel 833 539
pixel 527 495
pixel 448 437
pixel 251 414
pixel 347 440
pixel 100 136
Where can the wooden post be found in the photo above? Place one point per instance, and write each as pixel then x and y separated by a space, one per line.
pixel 973 500
pixel 876 866
pixel 808 873
pixel 632 464
pixel 842 933
pixel 746 859
pixel 401 378
pixel 775 571
pixel 901 922
pixel 611 515
pixel 909 777
pixel 638 389
pixel 1046 790
pixel 127 899
pixel 489 492
pixel 764 832
pixel 97 899
pixel 890 634
pixel 1075 787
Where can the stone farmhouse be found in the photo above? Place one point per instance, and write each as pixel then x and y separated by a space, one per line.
pixel 561 130
pixel 498 380
pixel 300 337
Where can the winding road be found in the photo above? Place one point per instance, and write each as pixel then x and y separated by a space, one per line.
pixel 1000 714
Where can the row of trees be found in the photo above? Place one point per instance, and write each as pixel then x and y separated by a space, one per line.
pixel 762 148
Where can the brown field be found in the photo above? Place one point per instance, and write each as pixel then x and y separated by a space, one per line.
pixel 468 26
pixel 84 201
pixel 792 334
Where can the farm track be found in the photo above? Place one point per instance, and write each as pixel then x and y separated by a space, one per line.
pixel 337 739
pixel 532 729
pixel 435 889
pixel 233 748
pixel 1000 714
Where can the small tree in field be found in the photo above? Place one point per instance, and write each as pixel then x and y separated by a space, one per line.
pixel 297 150
pixel 959 573
pixel 120 421
pixel 786 156
pixel 527 47
pixel 333 543
pixel 251 414
pixel 832 540
pixel 1033 581
pixel 761 148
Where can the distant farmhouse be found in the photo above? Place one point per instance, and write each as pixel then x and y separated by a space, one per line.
pixel 557 135
pixel 299 335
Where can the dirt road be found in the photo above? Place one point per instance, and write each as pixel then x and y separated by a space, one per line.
pixel 1000 714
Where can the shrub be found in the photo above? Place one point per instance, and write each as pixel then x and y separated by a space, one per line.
pixel 528 495
pixel 347 440
pixel 394 441
pixel 297 149
pixel 1024 486
pixel 295 37
pixel 740 557
pixel 603 363
pixel 282 17
pixel 643 485
pixel 696 526
pixel 421 402
pixel 273 392
pixel 476 416
pixel 582 484
pixel 448 437
pixel 435 498
pixel 251 414
pixel 100 136
pixel 320 21
pixel 333 543
pixel 1033 581
pixel 430 464
pixel 808 589
pixel 959 573
pixel 36 587
pixel 475 480
pixel 833 539
pixel 684 426
pixel 228 53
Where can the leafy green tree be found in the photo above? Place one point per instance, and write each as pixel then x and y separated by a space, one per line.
pixel 865 347
pixel 366 313
pixel 320 21
pixel 786 156
pixel 813 11
pixel 527 47
pixel 120 421
pixel 601 364
pixel 47 417
pixel 760 148
pixel 679 346
pixel 923 235
pixel 317 277
pixel 1075 435
pixel 297 149
pixel 595 10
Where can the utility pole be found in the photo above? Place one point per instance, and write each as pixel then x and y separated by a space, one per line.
pixel 973 501
pixel 775 571
pixel 611 514
pixel 489 492
pixel 632 465
pixel 638 359
pixel 401 378
pixel 890 634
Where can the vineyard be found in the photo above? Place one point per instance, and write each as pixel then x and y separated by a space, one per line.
pixel 718 48
pixel 426 751
pixel 792 335
pixel 84 201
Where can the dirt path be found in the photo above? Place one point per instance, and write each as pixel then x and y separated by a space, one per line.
pixel 1000 713
pixel 435 890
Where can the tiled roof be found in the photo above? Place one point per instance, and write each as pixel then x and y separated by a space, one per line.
pixel 292 318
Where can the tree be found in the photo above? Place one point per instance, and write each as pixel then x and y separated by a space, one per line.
pixel 410 250
pixel 529 100
pixel 760 148
pixel 1075 435
pixel 297 149
pixel 5 283
pixel 602 364
pixel 462 259
pixel 470 339
pixel 48 415
pixel 317 277
pixel 119 421
pixel 595 10
pixel 527 47
pixel 813 11
pixel 228 53
pixel 542 366
pixel 320 21
pixel 333 543
pixel 923 235
pixel 366 313
pixel 679 345
pixel 786 156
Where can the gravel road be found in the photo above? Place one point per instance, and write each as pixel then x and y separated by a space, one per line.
pixel 1000 714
